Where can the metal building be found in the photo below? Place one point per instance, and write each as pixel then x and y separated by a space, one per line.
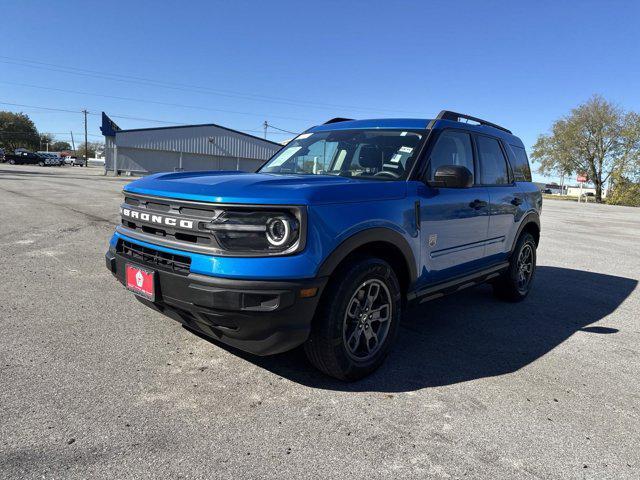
pixel 189 147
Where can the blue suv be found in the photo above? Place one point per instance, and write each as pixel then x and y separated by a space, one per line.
pixel 333 237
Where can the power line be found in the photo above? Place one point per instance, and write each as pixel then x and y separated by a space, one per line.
pixel 187 87
pixel 4 132
pixel 127 117
pixel 280 129
pixel 43 108
pixel 155 102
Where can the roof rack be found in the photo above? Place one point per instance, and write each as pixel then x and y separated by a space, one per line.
pixel 337 119
pixel 449 115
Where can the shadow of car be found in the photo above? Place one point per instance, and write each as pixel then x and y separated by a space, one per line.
pixel 471 335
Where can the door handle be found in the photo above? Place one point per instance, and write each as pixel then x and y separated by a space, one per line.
pixel 516 201
pixel 478 204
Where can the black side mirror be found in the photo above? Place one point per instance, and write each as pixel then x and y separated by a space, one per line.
pixel 452 176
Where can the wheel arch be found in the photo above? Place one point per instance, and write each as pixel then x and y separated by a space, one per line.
pixel 380 242
pixel 530 224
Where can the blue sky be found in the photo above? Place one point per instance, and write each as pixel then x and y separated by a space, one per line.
pixel 294 64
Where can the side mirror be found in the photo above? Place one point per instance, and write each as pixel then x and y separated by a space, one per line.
pixel 452 176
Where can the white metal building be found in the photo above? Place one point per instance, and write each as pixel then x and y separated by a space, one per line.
pixel 189 147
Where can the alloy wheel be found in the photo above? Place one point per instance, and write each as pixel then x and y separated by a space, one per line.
pixel 367 320
pixel 525 267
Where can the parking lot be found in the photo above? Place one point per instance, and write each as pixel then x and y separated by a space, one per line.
pixel 95 385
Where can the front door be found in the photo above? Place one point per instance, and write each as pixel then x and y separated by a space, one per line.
pixel 453 221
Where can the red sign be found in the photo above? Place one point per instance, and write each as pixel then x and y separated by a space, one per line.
pixel 140 281
pixel 583 178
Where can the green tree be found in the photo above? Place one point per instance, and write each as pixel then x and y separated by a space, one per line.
pixel 45 138
pixel 624 191
pixel 597 138
pixel 17 130
pixel 59 146
pixel 91 148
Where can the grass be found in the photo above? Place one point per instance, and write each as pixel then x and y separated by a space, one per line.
pixel 560 197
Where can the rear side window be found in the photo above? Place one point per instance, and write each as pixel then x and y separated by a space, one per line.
pixel 520 165
pixel 493 165
pixel 452 148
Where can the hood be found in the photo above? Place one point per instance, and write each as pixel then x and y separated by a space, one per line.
pixel 265 188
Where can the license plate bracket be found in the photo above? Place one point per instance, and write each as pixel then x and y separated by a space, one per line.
pixel 141 281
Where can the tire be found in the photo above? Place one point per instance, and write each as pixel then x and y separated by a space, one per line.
pixel 334 346
pixel 12 162
pixel 511 286
pixel 41 164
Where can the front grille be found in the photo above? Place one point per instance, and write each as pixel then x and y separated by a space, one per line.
pixel 153 257
pixel 150 212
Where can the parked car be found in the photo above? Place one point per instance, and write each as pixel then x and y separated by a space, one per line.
pixel 2 158
pixel 25 158
pixel 51 159
pixel 588 196
pixel 77 162
pixel 334 236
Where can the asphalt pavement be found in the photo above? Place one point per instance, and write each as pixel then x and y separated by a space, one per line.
pixel 95 385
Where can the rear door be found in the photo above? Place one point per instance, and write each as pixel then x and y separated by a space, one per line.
pixel 453 221
pixel 504 196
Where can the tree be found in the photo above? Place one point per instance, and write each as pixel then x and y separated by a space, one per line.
pixel 45 138
pixel 91 149
pixel 597 138
pixel 624 192
pixel 17 130
pixel 60 146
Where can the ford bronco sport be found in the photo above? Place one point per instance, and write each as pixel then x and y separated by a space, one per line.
pixel 327 243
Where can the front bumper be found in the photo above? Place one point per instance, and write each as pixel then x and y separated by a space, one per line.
pixel 260 317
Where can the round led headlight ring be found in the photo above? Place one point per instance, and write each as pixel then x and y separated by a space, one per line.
pixel 278 231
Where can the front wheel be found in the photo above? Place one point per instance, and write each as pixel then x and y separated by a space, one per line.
pixel 357 320
pixel 514 284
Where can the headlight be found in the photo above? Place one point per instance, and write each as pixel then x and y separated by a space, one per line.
pixel 256 231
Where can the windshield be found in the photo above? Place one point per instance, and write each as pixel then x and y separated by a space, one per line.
pixel 379 154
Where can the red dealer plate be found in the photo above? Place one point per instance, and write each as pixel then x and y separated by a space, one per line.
pixel 141 281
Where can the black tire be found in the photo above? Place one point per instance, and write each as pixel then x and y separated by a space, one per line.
pixel 41 164
pixel 510 285
pixel 12 162
pixel 327 347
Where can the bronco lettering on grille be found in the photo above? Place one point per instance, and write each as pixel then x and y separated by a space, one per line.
pixel 158 219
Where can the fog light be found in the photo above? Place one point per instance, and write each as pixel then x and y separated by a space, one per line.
pixel 308 292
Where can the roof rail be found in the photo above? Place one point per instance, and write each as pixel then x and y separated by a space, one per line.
pixel 337 119
pixel 449 115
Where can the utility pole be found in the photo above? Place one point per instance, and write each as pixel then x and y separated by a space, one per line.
pixel 265 125
pixel 86 145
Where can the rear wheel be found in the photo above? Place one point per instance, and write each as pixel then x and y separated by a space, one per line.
pixel 41 164
pixel 514 284
pixel 357 321
pixel 12 162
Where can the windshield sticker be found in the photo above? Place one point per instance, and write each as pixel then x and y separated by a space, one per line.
pixel 284 156
pixel 396 158
pixel 303 136
pixel 406 150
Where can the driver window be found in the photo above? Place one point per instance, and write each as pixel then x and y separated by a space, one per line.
pixel 452 148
